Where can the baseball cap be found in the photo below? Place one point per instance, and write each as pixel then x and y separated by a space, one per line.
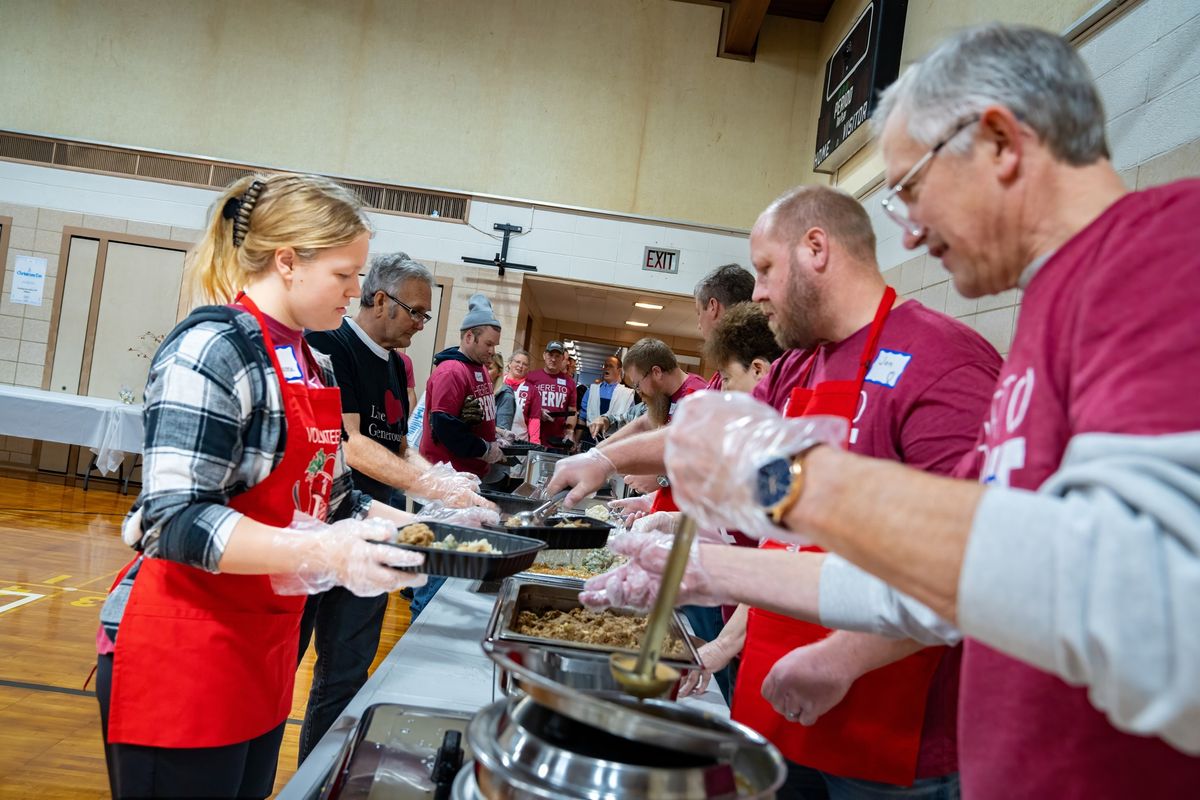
pixel 555 346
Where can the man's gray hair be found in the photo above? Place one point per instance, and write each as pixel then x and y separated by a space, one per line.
pixel 1033 73
pixel 390 271
pixel 730 284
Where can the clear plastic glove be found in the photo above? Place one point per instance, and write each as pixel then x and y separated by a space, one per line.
pixel 714 656
pixel 505 437
pixel 646 484
pixel 659 521
pixel 586 473
pixel 472 411
pixel 807 682
pixel 635 583
pixel 599 428
pixel 347 554
pixel 442 484
pixel 472 517
pixel 494 454
pixel 633 508
pixel 716 443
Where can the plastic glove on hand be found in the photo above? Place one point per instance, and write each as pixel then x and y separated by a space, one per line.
pixel 470 517
pixel 442 484
pixel 633 508
pixel 346 553
pixel 659 521
pixel 635 583
pixel 494 453
pixel 715 656
pixel 716 444
pixel 472 411
pixel 806 683
pixel 646 484
pixel 584 474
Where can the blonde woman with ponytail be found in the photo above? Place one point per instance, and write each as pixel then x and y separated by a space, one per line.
pixel 247 504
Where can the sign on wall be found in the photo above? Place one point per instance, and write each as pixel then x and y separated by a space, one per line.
pixel 864 63
pixel 658 259
pixel 29 280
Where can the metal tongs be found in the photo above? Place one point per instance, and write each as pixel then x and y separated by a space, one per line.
pixel 535 518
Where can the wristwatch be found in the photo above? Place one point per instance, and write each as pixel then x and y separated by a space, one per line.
pixel 663 481
pixel 780 482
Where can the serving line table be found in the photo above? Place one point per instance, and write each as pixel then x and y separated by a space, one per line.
pixel 437 664
pixel 109 428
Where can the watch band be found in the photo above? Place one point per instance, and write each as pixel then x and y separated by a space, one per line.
pixel 781 509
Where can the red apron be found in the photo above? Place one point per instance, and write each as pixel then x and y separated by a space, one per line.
pixel 875 732
pixel 206 660
pixel 664 500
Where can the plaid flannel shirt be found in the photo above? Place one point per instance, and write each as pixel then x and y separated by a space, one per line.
pixel 215 426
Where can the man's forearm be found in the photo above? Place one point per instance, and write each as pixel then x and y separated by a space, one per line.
pixel 863 652
pixel 374 460
pixel 774 580
pixel 907 527
pixel 638 455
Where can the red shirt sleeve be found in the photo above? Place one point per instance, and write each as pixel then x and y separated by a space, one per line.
pixel 448 386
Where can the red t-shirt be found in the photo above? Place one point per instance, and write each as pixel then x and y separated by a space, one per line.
pixel 715 383
pixel 1108 341
pixel 450 384
pixel 547 393
pixel 923 409
pixel 408 369
pixel 664 500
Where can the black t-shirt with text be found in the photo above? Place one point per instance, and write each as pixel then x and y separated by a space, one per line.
pixel 374 388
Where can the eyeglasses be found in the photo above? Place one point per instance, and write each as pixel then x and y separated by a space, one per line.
pixel 418 316
pixel 893 206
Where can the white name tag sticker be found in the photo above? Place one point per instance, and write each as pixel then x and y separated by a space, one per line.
pixel 562 381
pixel 289 364
pixel 478 376
pixel 888 367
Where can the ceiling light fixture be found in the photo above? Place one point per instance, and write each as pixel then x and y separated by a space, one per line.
pixel 637 324
pixel 651 306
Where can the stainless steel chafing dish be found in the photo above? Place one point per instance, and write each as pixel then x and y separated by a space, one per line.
pixel 572 664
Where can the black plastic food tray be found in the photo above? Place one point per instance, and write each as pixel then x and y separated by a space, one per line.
pixel 510 504
pixel 516 554
pixel 593 535
pixel 520 448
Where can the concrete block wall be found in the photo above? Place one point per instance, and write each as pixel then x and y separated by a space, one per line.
pixel 1147 67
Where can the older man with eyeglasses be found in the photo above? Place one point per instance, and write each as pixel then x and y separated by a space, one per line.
pixel 1067 554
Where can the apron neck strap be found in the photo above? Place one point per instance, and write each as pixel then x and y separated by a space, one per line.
pixel 881 313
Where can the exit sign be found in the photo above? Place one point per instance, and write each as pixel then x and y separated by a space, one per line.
pixel 658 259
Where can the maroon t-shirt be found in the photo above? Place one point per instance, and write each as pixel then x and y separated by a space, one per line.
pixel 450 384
pixel 1108 341
pixel 408 369
pixel 921 403
pixel 547 393
pixel 715 383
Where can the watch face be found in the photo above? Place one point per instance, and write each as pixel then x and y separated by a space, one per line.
pixel 774 480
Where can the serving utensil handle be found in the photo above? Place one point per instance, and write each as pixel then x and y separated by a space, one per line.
pixel 664 604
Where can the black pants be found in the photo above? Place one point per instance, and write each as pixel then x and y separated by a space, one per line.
pixel 347 632
pixel 246 769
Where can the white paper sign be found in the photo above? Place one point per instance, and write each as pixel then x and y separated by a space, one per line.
pixel 29 280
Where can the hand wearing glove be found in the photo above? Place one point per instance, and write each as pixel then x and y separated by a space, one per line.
pixel 635 583
pixel 455 489
pixel 659 521
pixel 807 682
pixel 505 437
pixel 472 517
pixel 494 453
pixel 347 554
pixel 716 444
pixel 633 508
pixel 599 428
pixel 472 411
pixel 586 472
pixel 714 656
pixel 646 484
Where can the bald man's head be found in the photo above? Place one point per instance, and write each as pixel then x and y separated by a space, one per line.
pixel 843 219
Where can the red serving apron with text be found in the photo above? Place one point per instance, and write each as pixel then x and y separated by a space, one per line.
pixel 206 660
pixel 875 732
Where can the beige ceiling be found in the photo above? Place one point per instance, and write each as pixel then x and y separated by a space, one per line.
pixel 591 304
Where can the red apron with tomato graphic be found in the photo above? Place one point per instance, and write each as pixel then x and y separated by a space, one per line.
pixel 207 660
pixel 875 732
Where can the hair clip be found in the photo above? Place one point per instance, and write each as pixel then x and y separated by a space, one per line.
pixel 238 209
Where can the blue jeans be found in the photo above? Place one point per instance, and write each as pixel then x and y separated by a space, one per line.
pixel 347 631
pixel 940 788
pixel 423 594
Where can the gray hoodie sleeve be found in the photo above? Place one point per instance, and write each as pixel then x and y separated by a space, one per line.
pixel 1096 578
pixel 853 600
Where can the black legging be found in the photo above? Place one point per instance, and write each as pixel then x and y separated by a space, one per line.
pixel 246 769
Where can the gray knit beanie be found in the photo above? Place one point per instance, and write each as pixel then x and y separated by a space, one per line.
pixel 479 312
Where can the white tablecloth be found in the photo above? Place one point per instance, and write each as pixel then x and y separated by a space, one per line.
pixel 109 428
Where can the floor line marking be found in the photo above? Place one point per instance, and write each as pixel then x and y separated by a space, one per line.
pixel 50 586
pixel 45 687
pixel 56 579
pixel 26 598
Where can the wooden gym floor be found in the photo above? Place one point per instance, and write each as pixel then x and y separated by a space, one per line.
pixel 60 548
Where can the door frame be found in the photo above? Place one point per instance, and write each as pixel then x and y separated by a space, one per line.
pixel 104 238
